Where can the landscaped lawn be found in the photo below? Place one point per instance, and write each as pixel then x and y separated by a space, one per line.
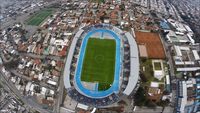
pixel 99 62
pixel 147 70
pixel 39 17
pixel 157 66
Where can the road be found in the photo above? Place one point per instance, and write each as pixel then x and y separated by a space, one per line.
pixel 57 58
pixel 167 48
pixel 25 100
pixel 148 110
pixel 19 75
pixel 60 95
pixel 61 82
pixel 42 84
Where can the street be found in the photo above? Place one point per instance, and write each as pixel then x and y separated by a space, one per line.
pixel 28 102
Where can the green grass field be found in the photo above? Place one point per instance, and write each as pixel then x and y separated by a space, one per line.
pixel 98 1
pixel 99 62
pixel 39 17
pixel 157 66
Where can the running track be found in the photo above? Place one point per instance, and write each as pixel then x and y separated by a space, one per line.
pixel 115 85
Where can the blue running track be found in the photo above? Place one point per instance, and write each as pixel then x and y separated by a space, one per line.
pixel 115 85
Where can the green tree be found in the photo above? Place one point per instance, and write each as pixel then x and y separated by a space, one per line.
pixel 140 97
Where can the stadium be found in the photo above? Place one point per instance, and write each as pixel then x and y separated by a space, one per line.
pixel 102 65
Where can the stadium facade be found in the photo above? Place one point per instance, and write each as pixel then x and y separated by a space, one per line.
pixel 126 71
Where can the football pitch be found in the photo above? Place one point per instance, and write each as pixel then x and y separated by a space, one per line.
pixel 39 17
pixel 99 62
pixel 99 1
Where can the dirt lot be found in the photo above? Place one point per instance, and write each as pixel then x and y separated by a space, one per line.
pixel 152 42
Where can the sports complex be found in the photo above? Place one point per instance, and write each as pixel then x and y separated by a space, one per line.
pixel 39 17
pixel 102 65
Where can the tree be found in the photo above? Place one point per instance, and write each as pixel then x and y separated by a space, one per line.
pixel 151 104
pixel 143 77
pixel 122 102
pixel 122 7
pixel 163 103
pixel 140 97
pixel 12 64
pixel 39 30
pixel 165 92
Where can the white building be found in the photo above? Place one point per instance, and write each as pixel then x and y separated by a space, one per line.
pixel 186 58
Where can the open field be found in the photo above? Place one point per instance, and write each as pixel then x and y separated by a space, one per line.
pixel 99 62
pixel 152 42
pixel 39 17
pixel 146 70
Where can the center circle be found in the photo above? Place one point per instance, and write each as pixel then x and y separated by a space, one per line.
pixel 99 58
